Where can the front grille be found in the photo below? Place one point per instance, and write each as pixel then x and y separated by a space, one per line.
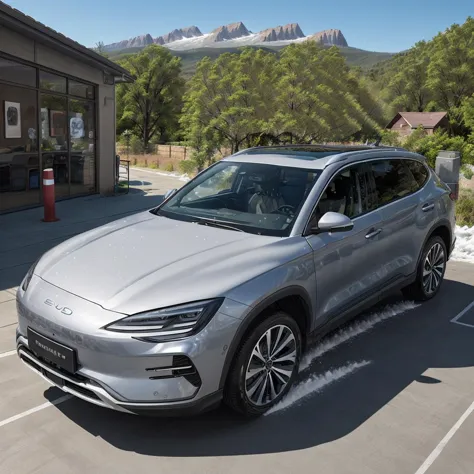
pixel 75 377
pixel 181 367
pixel 79 389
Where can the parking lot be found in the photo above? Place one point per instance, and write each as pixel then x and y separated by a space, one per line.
pixel 390 393
pixel 389 399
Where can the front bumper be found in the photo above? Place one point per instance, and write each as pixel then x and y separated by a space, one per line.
pixel 116 371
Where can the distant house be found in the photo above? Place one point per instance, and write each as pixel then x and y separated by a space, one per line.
pixel 405 122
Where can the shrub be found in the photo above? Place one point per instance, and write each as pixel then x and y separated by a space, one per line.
pixel 465 208
pixel 467 171
pixel 136 146
pixel 390 138
pixel 431 145
pixel 169 167
pixel 153 165
pixel 188 166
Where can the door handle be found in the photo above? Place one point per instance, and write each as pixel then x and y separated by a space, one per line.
pixel 427 207
pixel 373 233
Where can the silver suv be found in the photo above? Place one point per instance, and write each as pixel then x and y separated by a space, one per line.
pixel 213 294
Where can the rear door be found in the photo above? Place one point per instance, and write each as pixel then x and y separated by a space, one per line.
pixel 406 212
pixel 347 263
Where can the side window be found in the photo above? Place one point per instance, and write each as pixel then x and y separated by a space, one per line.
pixel 419 172
pixel 366 188
pixel 393 180
pixel 343 194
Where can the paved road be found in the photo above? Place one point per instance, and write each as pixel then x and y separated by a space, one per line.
pixel 386 417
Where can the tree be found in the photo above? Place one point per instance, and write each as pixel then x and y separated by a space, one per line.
pixel 407 89
pixel 100 48
pixel 317 95
pixel 228 102
pixel 151 105
pixel 451 69
pixel 467 109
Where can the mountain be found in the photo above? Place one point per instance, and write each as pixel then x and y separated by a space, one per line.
pixel 137 42
pixel 178 34
pixel 234 34
pixel 229 32
pixel 190 57
pixel 291 31
pixel 330 37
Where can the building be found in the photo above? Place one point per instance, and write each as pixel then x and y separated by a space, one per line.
pixel 57 101
pixel 405 122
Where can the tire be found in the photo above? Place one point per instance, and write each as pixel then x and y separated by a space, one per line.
pixel 251 395
pixel 419 290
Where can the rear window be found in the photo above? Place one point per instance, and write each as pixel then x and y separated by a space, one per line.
pixel 393 180
pixel 419 172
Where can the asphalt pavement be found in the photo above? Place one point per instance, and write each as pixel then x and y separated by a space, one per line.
pixel 405 409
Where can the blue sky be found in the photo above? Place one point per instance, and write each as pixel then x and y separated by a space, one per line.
pixel 367 24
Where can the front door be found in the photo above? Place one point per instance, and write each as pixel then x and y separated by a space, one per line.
pixel 347 264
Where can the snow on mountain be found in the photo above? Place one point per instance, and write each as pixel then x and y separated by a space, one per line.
pixel 231 35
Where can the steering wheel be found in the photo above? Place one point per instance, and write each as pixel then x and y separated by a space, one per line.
pixel 285 209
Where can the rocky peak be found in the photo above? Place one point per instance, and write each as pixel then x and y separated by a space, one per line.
pixel 178 34
pixel 330 37
pixel 227 32
pixel 280 33
pixel 137 42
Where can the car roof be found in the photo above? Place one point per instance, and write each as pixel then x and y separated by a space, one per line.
pixel 315 156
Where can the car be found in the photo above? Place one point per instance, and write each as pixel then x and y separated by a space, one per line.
pixel 214 294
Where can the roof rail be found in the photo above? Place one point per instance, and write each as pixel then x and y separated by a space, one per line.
pixel 343 156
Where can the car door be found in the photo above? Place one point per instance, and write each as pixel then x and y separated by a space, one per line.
pixel 405 214
pixel 347 263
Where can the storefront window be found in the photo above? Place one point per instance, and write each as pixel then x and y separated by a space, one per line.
pixel 52 82
pixel 60 135
pixel 12 71
pixel 19 158
pixel 54 142
pixel 82 134
pixel 81 90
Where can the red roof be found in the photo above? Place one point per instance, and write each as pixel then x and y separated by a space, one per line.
pixel 415 119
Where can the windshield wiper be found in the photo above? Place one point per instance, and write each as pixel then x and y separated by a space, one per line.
pixel 219 224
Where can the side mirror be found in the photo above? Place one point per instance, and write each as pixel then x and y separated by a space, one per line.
pixel 169 193
pixel 335 222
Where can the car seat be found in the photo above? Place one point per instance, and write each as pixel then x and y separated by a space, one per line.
pixel 266 198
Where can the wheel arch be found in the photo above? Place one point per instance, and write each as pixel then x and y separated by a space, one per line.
pixel 441 228
pixel 293 300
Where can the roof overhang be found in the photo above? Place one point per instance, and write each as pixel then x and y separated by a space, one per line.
pixel 23 24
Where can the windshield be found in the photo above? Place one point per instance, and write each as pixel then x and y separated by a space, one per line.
pixel 257 198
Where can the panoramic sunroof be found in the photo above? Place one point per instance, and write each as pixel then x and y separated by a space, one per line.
pixel 301 152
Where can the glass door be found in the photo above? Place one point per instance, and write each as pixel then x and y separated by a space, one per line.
pixel 54 142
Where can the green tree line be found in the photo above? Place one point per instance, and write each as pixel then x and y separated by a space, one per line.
pixel 303 94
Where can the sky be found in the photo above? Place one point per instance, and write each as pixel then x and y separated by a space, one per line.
pixel 375 25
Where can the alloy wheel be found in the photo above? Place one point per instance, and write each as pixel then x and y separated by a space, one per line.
pixel 433 268
pixel 271 365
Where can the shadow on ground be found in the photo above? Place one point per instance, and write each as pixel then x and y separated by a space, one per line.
pixel 137 182
pixel 401 350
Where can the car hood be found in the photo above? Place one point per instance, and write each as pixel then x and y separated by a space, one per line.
pixel 145 262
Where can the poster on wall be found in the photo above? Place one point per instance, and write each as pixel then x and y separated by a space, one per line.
pixel 76 126
pixel 44 123
pixel 57 123
pixel 12 120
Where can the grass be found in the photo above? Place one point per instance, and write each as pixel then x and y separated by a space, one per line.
pixel 465 208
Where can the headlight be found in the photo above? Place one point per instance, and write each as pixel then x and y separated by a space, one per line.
pixel 168 324
pixel 29 276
